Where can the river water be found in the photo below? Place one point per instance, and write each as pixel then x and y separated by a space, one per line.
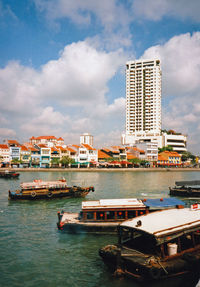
pixel 34 253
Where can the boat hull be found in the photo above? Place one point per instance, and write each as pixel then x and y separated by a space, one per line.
pixel 96 228
pixel 48 194
pixel 185 192
pixel 132 264
pixel 9 175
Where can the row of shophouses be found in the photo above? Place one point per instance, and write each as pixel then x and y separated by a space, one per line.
pixel 48 151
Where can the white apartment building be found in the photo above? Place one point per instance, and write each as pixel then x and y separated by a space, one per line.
pixel 143 100
pixel 86 139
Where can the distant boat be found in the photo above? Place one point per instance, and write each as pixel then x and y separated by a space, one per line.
pixel 39 189
pixel 9 174
pixel 104 215
pixel 155 246
pixel 186 188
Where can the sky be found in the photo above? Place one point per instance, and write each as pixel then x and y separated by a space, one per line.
pixel 62 66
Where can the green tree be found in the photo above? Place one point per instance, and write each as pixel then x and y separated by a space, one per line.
pixel 188 156
pixel 66 161
pixel 135 161
pixel 55 161
pixel 165 148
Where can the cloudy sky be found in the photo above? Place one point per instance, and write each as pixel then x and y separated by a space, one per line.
pixel 62 66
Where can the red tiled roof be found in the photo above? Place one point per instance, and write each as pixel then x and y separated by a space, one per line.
pixel 102 154
pixel 75 145
pixel 130 156
pixel 13 142
pixel 24 148
pixel 88 147
pixel 31 148
pixel 43 145
pixel 71 149
pixel 4 146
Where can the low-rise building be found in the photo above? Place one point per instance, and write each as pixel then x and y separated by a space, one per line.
pixel 4 154
pixel 25 156
pixel 169 158
pixel 50 141
pixel 45 155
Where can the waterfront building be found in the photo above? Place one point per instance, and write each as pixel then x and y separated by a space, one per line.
pixel 86 138
pixel 50 141
pixel 72 152
pixel 45 155
pixel 4 154
pixel 177 141
pixel 135 152
pixel 25 156
pixel 143 101
pixel 87 154
pixel 102 156
pixel 55 156
pixel 169 158
pixel 35 156
pixel 116 152
pixel 150 149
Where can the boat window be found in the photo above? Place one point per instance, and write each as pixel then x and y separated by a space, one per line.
pixel 120 214
pixel 139 241
pixel 100 215
pixel 90 215
pixel 110 215
pixel 186 241
pixel 131 214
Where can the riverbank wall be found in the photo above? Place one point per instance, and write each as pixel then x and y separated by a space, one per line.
pixel 154 169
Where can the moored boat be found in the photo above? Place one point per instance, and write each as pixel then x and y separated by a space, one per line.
pixel 9 174
pixel 155 246
pixel 186 188
pixel 103 216
pixel 39 189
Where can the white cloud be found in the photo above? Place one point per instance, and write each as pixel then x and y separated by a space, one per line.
pixel 112 17
pixel 156 10
pixel 6 133
pixel 180 58
pixel 67 95
pixel 109 13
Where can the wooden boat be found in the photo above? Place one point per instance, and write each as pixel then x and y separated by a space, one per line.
pixel 155 246
pixel 9 174
pixel 186 188
pixel 39 189
pixel 103 216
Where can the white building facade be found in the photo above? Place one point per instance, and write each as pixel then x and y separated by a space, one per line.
pixel 86 139
pixel 143 101
pixel 177 141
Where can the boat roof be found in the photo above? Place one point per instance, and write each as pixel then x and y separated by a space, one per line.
pixel 155 203
pixel 160 203
pixel 165 222
pixel 112 203
pixel 43 184
pixel 188 182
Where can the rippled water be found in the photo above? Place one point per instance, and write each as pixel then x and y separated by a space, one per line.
pixel 34 253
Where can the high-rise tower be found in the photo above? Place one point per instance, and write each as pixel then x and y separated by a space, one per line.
pixel 143 100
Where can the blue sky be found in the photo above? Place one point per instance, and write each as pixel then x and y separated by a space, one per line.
pixel 62 65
